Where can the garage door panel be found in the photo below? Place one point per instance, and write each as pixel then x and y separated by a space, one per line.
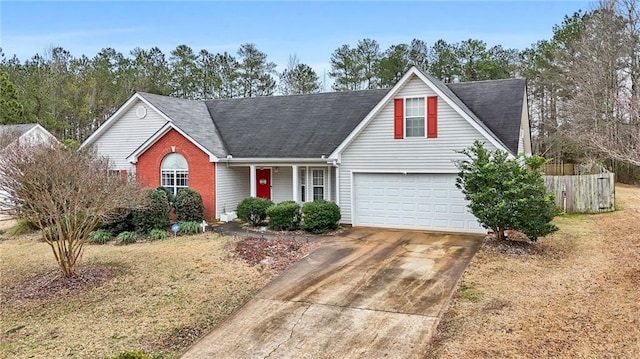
pixel 413 201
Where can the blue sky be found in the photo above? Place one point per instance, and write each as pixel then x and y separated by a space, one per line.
pixel 312 29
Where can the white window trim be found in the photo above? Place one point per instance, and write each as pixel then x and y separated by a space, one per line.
pixel 324 183
pixel 302 183
pixel 173 173
pixel 404 113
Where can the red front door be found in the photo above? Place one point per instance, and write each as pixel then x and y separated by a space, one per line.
pixel 263 183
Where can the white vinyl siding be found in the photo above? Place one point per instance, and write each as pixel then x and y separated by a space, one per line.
pixel 232 186
pixel 127 134
pixel 375 149
pixel 331 185
pixel 281 184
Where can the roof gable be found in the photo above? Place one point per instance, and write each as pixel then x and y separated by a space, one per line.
pixel 298 126
pixel 443 92
pixel 17 132
pixel 133 157
pixel 133 100
pixel 192 117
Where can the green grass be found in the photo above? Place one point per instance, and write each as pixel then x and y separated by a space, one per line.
pixel 469 293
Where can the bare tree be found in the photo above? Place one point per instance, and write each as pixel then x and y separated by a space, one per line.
pixel 602 110
pixel 66 194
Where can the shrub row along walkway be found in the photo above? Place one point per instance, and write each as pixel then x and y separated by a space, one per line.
pixel 367 294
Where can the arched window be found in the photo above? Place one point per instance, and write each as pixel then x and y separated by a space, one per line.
pixel 174 172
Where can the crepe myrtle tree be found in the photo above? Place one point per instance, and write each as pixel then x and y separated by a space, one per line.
pixel 506 193
pixel 64 193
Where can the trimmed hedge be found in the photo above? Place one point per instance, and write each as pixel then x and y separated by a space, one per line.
pixel 320 216
pixel 188 206
pixel 253 210
pixel 155 213
pixel 284 216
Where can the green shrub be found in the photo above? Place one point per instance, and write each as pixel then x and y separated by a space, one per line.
pixel 99 236
pixel 170 196
pixel 22 226
pixel 253 210
pixel 188 205
pixel 503 194
pixel 121 220
pixel 284 216
pixel 157 234
pixel 189 227
pixel 127 237
pixel 320 216
pixel 155 212
pixel 132 354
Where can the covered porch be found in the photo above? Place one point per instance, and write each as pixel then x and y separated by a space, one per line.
pixel 293 182
pixel 300 182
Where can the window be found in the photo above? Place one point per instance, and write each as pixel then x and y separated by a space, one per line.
pixel 174 173
pixel 317 179
pixel 303 185
pixel 414 117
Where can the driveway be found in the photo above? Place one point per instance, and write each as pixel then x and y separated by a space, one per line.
pixel 371 293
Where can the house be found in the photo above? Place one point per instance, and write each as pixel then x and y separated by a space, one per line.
pixel 386 157
pixel 10 135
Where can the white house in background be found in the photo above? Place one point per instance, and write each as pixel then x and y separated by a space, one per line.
pixel 28 133
pixel 386 157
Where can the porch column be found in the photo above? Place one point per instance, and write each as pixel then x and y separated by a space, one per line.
pixel 337 169
pixel 328 197
pixel 296 196
pixel 252 178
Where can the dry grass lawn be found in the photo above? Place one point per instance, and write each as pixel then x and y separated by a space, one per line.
pixel 576 296
pixel 162 296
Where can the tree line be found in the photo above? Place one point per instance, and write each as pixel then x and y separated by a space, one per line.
pixel 583 83
pixel 72 96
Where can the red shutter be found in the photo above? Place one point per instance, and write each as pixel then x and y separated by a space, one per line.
pixel 398 118
pixel 432 116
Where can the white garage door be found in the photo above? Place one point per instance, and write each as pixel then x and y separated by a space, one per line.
pixel 412 201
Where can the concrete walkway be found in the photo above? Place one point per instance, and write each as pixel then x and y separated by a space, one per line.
pixel 371 293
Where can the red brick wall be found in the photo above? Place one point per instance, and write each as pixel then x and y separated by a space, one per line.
pixel 201 171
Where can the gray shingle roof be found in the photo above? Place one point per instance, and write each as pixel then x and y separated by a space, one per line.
pixel 498 104
pixel 298 126
pixel 193 118
pixel 312 125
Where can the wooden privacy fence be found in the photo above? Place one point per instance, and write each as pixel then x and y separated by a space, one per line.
pixel 572 169
pixel 583 194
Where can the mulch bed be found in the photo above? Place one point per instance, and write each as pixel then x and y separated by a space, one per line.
pixel 53 285
pixel 516 244
pixel 272 254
